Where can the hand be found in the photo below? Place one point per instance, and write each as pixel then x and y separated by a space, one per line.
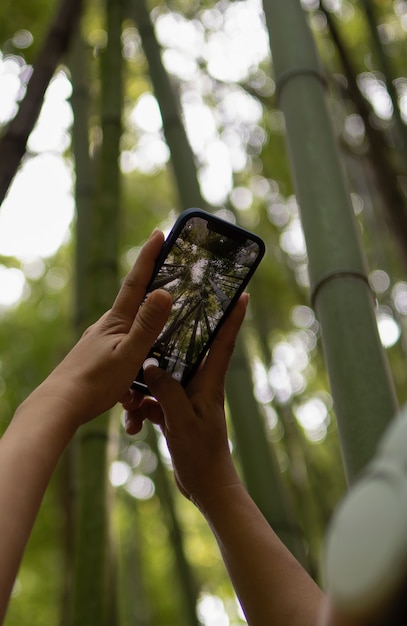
pixel 98 371
pixel 193 420
pixel 265 575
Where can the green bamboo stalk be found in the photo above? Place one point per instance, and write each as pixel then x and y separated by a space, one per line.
pixel 254 453
pixel 14 140
pixel 386 174
pixel 400 136
pixel 303 488
pixel 90 597
pixel 182 156
pixel 84 199
pixel 258 459
pixel 188 585
pixel 84 180
pixel 362 387
pixel 134 603
pixel 98 245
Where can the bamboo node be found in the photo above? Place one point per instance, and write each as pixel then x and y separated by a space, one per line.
pixel 338 273
pixel 285 77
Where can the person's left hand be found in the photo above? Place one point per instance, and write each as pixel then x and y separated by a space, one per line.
pixel 98 371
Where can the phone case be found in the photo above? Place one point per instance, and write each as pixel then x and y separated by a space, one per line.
pixel 205 264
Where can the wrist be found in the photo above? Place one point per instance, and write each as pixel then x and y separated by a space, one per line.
pixel 46 409
pixel 214 495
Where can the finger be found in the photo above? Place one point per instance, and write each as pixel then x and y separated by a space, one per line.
pixel 149 409
pixel 215 366
pixel 170 395
pixel 133 422
pixel 135 283
pixel 131 399
pixel 147 325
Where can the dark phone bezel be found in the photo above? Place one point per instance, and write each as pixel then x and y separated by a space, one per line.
pixel 221 227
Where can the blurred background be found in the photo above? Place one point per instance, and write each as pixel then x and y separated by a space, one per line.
pixel 118 115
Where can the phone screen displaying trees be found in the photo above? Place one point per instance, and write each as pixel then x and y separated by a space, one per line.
pixel 203 271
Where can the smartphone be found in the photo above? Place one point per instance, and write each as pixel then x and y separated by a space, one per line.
pixel 205 264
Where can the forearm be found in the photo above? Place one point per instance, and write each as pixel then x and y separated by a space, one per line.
pixel 272 586
pixel 29 452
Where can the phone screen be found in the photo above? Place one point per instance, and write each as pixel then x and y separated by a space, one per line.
pixel 205 270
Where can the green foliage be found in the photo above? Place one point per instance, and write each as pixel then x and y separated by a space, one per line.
pixel 37 594
pixel 148 202
pixel 33 337
pixel 36 333
pixel 15 17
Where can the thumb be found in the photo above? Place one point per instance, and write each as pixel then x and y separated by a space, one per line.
pixel 170 395
pixel 162 385
pixel 150 319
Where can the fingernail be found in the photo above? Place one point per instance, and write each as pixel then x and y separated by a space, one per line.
pixel 126 397
pixel 153 373
pixel 154 233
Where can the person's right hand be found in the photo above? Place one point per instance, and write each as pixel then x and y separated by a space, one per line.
pixel 193 420
pixel 99 369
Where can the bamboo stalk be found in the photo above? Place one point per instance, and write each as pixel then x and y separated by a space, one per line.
pixel 84 177
pixel 14 141
pixel 134 602
pixel 98 235
pixel 182 156
pixel 362 386
pixel 84 198
pixel 188 585
pixel 265 484
pixel 386 174
pixel 258 459
pixel 400 136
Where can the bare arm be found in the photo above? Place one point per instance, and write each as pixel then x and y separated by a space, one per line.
pixel 94 376
pixel 271 585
